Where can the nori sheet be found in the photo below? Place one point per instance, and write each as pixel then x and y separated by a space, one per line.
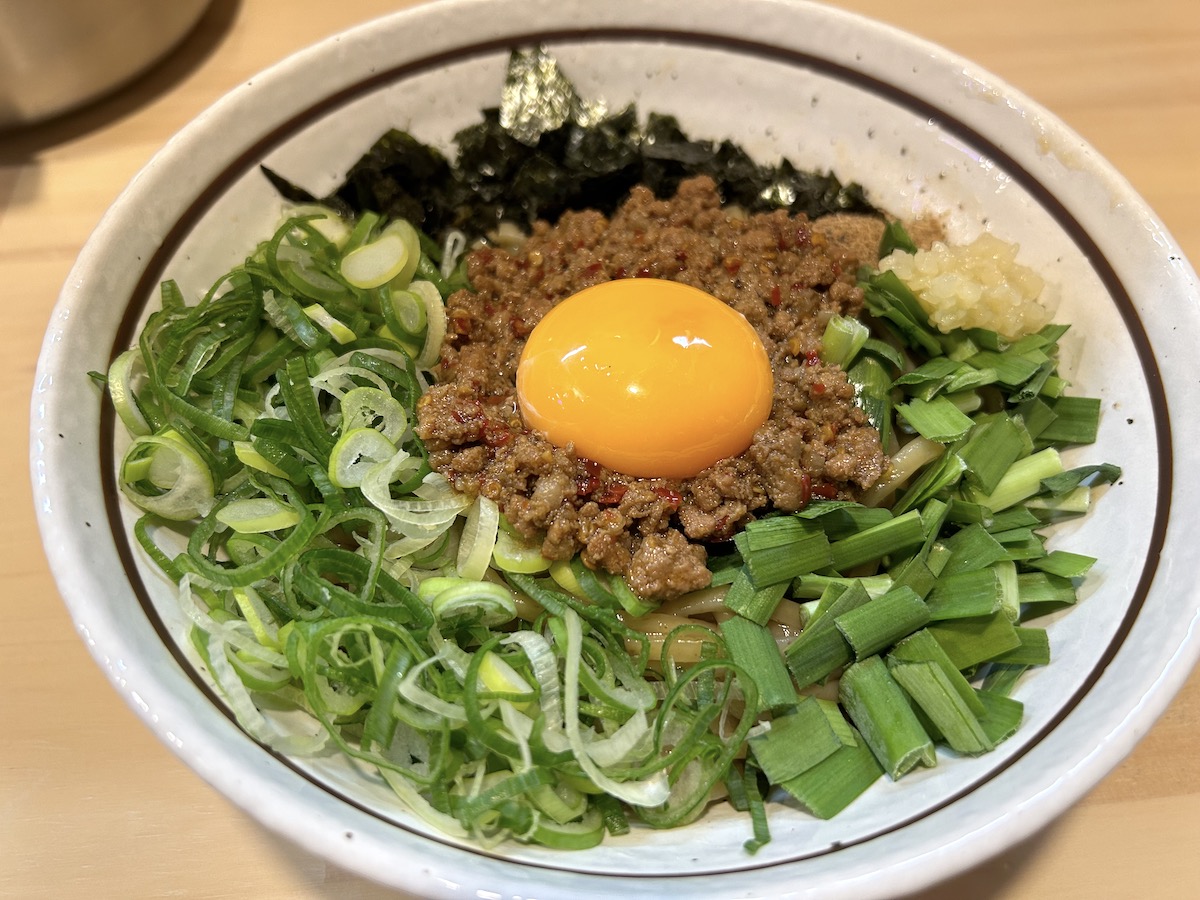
pixel 544 151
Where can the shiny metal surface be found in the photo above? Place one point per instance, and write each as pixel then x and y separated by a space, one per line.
pixel 58 54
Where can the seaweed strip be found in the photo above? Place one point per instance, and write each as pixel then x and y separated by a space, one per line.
pixel 562 154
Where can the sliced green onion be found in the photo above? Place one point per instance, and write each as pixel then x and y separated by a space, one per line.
pixel 374 264
pixel 123 376
pixel 649 792
pixel 435 322
pixel 369 407
pixel 478 538
pixel 404 312
pixel 328 567
pixel 512 553
pixel 164 475
pixel 338 330
pixel 356 452
pixel 258 515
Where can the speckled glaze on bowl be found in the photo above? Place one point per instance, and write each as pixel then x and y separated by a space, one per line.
pixel 924 131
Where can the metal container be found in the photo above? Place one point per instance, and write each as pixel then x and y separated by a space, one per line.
pixel 58 54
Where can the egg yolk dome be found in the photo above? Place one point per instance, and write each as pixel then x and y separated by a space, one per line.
pixel 650 378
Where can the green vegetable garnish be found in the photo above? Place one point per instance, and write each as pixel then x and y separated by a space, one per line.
pixel 325 568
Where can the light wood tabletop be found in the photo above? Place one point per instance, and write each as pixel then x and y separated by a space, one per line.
pixel 91 805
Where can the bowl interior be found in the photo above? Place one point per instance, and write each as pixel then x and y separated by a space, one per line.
pixel 912 125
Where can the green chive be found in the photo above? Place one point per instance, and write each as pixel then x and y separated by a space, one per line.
pixel 933 692
pixel 971 548
pixel 1022 480
pixel 921 646
pixel 779 549
pixel 1076 421
pixel 1012 370
pixel 1065 564
pixel 915 575
pixel 893 536
pixel 965 595
pixel 809 587
pixel 755 604
pixel 790 745
pixel 880 711
pixel 1002 716
pixel 895 237
pixel 877 625
pixel 1036 414
pixel 841 519
pixel 941 475
pixel 1033 650
pixel 992 447
pixel 820 649
pixel 969 642
pixel 834 783
pixel 873 394
pixel 1067 482
pixel 937 419
pixel 844 336
pixel 753 647
pixel 1044 592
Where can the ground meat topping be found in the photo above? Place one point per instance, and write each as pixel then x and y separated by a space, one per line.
pixel 783 273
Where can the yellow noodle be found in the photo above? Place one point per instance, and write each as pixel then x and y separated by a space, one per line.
pixel 696 603
pixel 656 626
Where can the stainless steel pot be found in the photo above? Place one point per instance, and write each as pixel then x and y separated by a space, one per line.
pixel 58 54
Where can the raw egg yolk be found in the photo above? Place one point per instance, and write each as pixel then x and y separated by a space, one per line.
pixel 650 378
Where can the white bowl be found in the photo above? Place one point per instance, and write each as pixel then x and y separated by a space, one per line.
pixel 924 131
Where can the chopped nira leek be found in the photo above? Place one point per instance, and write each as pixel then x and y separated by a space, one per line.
pixel 789 745
pixel 880 710
pixel 836 781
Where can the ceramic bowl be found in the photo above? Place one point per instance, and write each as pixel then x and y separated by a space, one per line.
pixel 925 132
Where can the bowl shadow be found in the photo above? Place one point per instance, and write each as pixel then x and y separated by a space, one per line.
pixel 21 145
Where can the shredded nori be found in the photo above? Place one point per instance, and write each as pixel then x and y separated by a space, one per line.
pixel 545 151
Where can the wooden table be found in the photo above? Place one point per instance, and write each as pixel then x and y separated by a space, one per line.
pixel 91 805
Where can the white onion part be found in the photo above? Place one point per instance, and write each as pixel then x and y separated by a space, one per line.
pixel 652 791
